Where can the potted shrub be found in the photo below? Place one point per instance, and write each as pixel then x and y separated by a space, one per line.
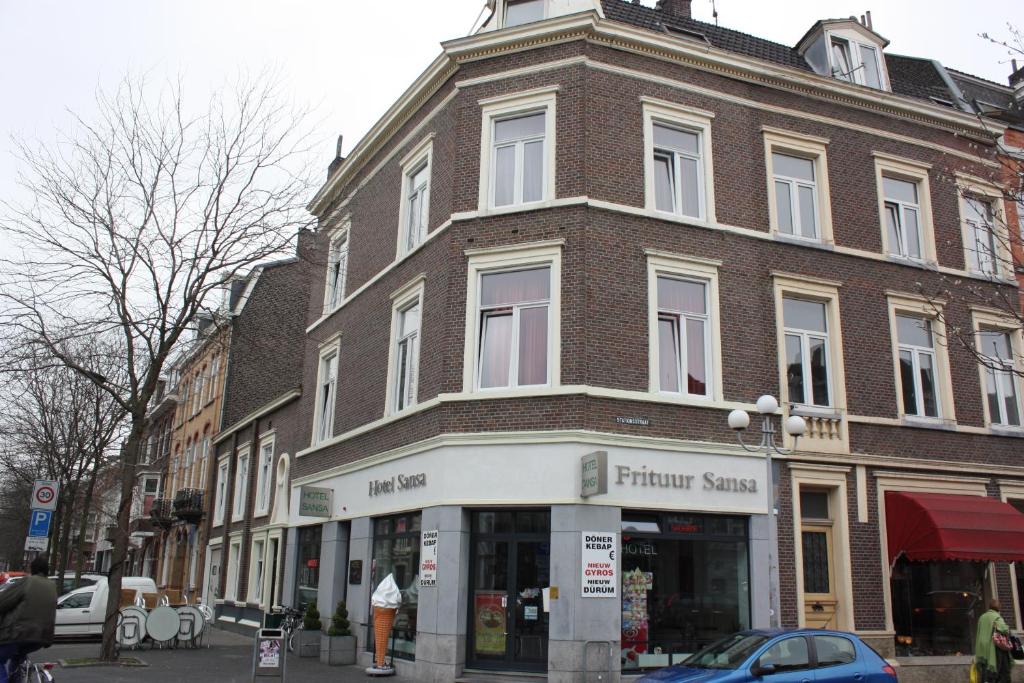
pixel 338 646
pixel 309 634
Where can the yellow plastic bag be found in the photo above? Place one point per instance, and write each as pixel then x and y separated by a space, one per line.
pixel 975 674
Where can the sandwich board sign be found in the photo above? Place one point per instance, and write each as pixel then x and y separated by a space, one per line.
pixel 44 495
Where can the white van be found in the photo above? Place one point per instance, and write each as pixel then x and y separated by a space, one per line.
pixel 81 612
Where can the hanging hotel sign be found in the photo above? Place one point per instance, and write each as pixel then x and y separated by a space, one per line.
pixel 600 577
pixel 594 474
pixel 428 559
pixel 315 502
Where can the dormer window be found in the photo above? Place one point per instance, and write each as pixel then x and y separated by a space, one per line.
pixel 855 63
pixel 523 12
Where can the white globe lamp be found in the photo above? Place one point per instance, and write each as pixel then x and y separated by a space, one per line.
pixel 767 405
pixel 739 420
pixel 795 425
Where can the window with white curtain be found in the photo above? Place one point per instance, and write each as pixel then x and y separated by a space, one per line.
pixel 222 490
pixel 256 578
pixel 902 216
pixel 263 476
pixel 241 485
pixel 407 356
pixel 796 195
pixel 417 201
pixel 982 240
pixel 808 370
pixel 684 363
pixel 337 269
pixel 523 11
pixel 678 171
pixel 518 159
pixel 514 310
pixel 918 368
pixel 323 426
pixel 211 386
pixel 1002 385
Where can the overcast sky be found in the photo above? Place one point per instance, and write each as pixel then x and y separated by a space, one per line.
pixel 350 59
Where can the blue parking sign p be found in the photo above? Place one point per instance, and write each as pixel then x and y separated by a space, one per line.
pixel 40 523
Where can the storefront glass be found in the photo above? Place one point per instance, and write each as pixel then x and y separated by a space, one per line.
pixel 308 574
pixel 935 606
pixel 396 550
pixel 685 584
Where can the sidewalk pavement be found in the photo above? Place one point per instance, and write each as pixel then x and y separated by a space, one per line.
pixel 228 660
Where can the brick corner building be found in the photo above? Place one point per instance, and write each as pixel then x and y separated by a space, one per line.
pixel 539 286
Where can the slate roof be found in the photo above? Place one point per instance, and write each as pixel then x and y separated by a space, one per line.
pixel 916 77
pixel 636 14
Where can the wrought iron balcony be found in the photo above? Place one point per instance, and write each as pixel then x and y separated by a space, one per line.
pixel 161 513
pixel 188 505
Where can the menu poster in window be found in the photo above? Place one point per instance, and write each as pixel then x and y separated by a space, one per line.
pixel 635 619
pixel 428 559
pixel 489 615
pixel 600 570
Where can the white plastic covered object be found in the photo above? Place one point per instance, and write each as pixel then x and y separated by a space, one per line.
pixel 387 594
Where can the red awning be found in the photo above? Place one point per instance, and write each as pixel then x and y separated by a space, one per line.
pixel 938 526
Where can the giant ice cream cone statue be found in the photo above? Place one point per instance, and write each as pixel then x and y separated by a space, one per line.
pixel 385 601
pixel 383 620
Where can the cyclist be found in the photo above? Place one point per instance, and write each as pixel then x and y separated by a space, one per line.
pixel 28 611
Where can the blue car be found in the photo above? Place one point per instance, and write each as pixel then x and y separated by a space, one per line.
pixel 778 656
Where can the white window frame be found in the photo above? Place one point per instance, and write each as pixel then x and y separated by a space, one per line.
pixel 220 507
pixel 233 565
pixel 690 120
pixel 704 271
pixel 992 320
pixel 197 392
pixel 788 285
pixel 214 376
pixel 813 149
pixel 504 13
pixel 402 299
pixel 323 423
pixel 508 107
pixel 421 156
pixel 805 337
pixel 257 570
pixel 919 307
pixel 498 259
pixel 264 474
pixel 898 168
pixel 970 187
pixel 857 65
pixel 916 352
pixel 337 252
pixel 241 484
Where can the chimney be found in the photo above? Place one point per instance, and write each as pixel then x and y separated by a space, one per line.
pixel 1017 83
pixel 871 26
pixel 679 9
pixel 337 158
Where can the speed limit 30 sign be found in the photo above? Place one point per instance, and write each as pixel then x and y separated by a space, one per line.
pixel 44 495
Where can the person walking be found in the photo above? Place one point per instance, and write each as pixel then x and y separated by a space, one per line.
pixel 993 663
pixel 28 611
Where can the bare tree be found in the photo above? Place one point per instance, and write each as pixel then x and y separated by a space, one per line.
pixel 137 219
pixel 56 424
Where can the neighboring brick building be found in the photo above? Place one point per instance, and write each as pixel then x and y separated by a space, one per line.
pixel 197 376
pixel 249 496
pixel 541 283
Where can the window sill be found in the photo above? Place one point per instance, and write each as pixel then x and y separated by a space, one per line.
pixel 815 411
pixel 1006 430
pixel 915 422
pixel 923 264
pixel 486 211
pixel 803 241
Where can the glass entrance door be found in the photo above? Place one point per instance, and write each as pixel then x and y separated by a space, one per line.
pixel 511 565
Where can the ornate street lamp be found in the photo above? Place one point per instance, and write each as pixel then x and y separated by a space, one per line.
pixel 795 426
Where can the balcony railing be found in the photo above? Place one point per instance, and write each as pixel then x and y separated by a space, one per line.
pixel 161 513
pixel 188 505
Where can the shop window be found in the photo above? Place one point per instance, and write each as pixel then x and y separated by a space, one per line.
pixel 685 584
pixel 396 550
pixel 934 606
pixel 308 574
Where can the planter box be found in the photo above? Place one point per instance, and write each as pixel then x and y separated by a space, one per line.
pixel 337 650
pixel 307 643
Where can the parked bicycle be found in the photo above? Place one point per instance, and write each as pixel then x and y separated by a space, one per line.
pixel 291 623
pixel 32 673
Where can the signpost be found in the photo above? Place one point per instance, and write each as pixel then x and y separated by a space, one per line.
pixel 44 502
pixel 44 495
